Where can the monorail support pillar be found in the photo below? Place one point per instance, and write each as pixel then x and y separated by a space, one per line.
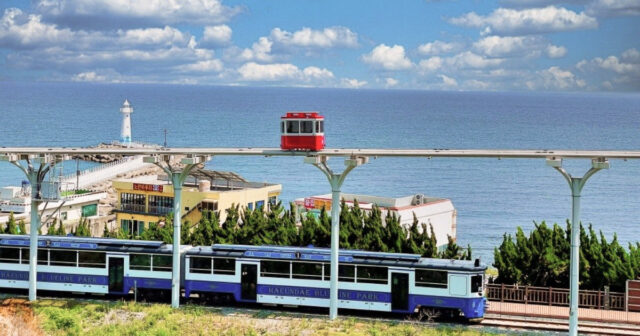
pixel 36 176
pixel 576 184
pixel 177 174
pixel 336 181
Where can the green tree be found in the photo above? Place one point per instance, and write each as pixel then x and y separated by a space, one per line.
pixel 22 228
pixel 10 227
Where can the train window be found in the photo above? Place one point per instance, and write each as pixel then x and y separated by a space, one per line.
pixel 476 283
pixel 311 271
pixel 140 262
pixel 162 263
pixel 200 265
pixel 346 273
pixel 224 266
pixel 43 257
pixel 63 258
pixel 373 274
pixel 92 259
pixel 275 269
pixel 9 255
pixel 306 126
pixel 293 126
pixel 25 256
pixel 431 278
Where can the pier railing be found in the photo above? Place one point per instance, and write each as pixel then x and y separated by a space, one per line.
pixel 555 296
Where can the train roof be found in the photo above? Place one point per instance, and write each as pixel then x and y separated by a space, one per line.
pixel 88 243
pixel 345 256
pixel 302 115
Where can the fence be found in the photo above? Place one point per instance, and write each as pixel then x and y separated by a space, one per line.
pixel 555 296
pixel 105 171
pixel 633 295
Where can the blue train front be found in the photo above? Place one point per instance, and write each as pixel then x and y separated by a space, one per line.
pixel 292 276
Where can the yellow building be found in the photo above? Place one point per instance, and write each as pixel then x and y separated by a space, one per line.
pixel 148 199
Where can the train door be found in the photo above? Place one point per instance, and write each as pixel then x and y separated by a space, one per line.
pixel 399 291
pixel 249 281
pixel 116 274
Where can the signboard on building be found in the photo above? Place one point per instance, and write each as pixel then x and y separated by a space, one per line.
pixel 314 203
pixel 147 187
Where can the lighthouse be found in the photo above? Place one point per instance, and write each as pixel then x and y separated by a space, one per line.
pixel 125 133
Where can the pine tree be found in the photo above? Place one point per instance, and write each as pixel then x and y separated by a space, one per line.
pixel 11 227
pixel 51 231
pixel 61 230
pixel 22 228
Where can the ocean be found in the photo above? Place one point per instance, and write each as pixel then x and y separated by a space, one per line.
pixel 492 196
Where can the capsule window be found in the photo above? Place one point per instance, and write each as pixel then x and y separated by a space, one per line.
pixel 224 266
pixel 200 265
pixel 306 126
pixel 321 126
pixel 275 269
pixel 92 259
pixel 282 127
pixel 293 126
pixel 431 278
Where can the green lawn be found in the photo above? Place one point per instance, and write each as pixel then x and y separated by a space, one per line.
pixel 70 317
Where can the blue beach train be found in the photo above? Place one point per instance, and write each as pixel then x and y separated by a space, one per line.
pixel 291 276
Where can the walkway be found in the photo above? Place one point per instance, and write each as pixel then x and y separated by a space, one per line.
pixel 584 314
pixel 103 172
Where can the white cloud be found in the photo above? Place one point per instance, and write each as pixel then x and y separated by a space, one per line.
pixel 517 46
pixel 216 36
pixel 388 58
pixel 448 81
pixel 555 78
pixel 331 37
pixel 90 76
pixel 352 83
pixel 19 30
pixel 260 51
pixel 126 13
pixel 431 64
pixel 212 65
pixel 556 51
pixel 439 48
pixel 613 7
pixel 631 55
pixel 469 59
pixel 282 72
pixel 505 21
pixel 390 82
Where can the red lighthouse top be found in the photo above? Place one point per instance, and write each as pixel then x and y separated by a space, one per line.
pixel 302 115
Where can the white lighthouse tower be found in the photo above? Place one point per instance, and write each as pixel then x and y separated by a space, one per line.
pixel 125 133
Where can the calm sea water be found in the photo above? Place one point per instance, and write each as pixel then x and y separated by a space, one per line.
pixel 492 196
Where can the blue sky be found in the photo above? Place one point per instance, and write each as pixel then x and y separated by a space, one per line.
pixel 536 45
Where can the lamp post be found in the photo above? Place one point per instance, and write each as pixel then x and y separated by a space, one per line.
pixel 576 184
pixel 335 180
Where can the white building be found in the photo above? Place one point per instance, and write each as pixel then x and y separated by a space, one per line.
pixel 69 209
pixel 437 212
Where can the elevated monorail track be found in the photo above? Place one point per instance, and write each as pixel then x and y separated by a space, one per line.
pixel 336 152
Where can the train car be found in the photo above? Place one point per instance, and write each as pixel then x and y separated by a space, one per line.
pixel 88 265
pixel 388 282
pixel 302 131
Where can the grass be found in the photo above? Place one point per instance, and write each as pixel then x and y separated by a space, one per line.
pixel 70 317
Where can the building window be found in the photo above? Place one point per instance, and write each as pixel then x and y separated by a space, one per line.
pixel 160 205
pixel 89 210
pixel 63 216
pixel 250 206
pixel 273 200
pixel 132 202
pixel 259 205
pixel 132 227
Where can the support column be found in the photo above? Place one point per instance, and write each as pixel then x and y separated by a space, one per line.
pixel 178 174
pixel 576 184
pixel 335 180
pixel 36 177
